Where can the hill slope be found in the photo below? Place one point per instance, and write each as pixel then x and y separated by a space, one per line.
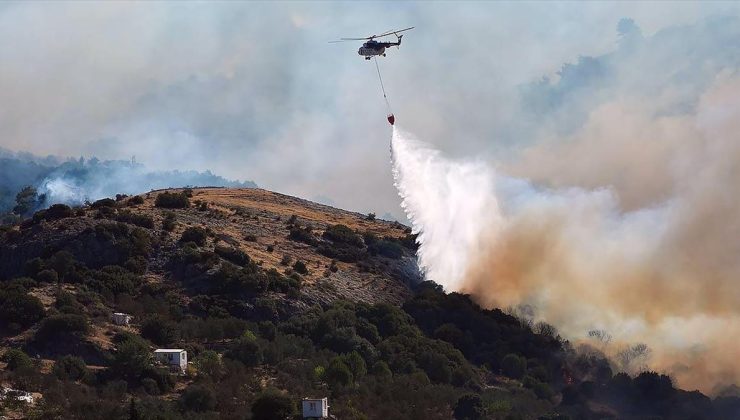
pixel 276 298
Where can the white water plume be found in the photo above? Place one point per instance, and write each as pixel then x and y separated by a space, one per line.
pixel 437 194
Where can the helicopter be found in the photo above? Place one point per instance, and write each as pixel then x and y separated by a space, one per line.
pixel 372 47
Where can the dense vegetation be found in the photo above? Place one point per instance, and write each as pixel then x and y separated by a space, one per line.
pixel 257 346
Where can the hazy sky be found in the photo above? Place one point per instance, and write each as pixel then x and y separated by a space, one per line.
pixel 254 91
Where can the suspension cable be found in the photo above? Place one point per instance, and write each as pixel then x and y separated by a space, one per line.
pixel 388 104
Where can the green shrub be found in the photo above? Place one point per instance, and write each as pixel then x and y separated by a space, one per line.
pixel 129 217
pixel 469 407
pixel 272 405
pixel 304 235
pixel 343 234
pixel 234 255
pixel 300 267
pixel 18 309
pixel 47 276
pixel 168 200
pixel 194 234
pixel 136 200
pixel 17 359
pixel 198 398
pixel 386 248
pixel 70 368
pixel 159 330
pixel 208 364
pixel 245 350
pixel 58 211
pixel 105 202
pixel 65 325
pixel 169 222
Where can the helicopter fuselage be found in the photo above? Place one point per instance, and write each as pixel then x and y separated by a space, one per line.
pixel 374 48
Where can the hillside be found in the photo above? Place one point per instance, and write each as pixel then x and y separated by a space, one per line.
pixel 275 298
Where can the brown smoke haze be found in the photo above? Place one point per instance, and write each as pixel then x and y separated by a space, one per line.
pixel 655 259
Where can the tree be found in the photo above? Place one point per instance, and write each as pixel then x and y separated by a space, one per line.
pixel 159 330
pixel 272 405
pixel 131 358
pixel 208 364
pixel 198 398
pixel 245 350
pixel 356 364
pixel 469 407
pixel 514 366
pixel 27 200
pixel 338 374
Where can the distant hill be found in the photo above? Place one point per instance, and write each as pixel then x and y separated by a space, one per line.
pixel 74 181
pixel 276 298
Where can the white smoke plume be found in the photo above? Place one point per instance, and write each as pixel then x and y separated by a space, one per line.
pixel 655 275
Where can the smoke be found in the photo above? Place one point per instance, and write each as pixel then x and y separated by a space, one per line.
pixel 661 270
pixel 75 181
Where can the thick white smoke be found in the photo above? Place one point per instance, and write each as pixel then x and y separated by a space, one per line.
pixel 575 256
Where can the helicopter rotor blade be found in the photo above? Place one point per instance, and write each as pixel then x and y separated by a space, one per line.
pixel 394 32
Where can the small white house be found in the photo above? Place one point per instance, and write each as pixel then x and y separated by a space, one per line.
pixel 119 318
pixel 315 408
pixel 174 358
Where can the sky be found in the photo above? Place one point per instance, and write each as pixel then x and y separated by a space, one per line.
pixel 254 91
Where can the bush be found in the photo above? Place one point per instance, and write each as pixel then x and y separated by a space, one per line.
pixel 136 200
pixel 169 221
pixel 304 235
pixel 386 248
pixel 344 235
pixel 159 330
pixel 208 364
pixel 58 326
pixel 234 255
pixel 272 405
pixel 245 350
pixel 514 366
pixel 168 200
pixel 194 234
pixel 135 219
pixel 198 398
pixel 70 368
pixel 105 202
pixel 469 407
pixel 300 267
pixel 47 276
pixel 58 211
pixel 17 359
pixel 19 309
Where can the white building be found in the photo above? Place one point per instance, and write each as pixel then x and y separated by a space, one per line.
pixel 119 318
pixel 174 358
pixel 315 408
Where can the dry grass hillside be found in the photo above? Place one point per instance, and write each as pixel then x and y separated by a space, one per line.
pixel 255 220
